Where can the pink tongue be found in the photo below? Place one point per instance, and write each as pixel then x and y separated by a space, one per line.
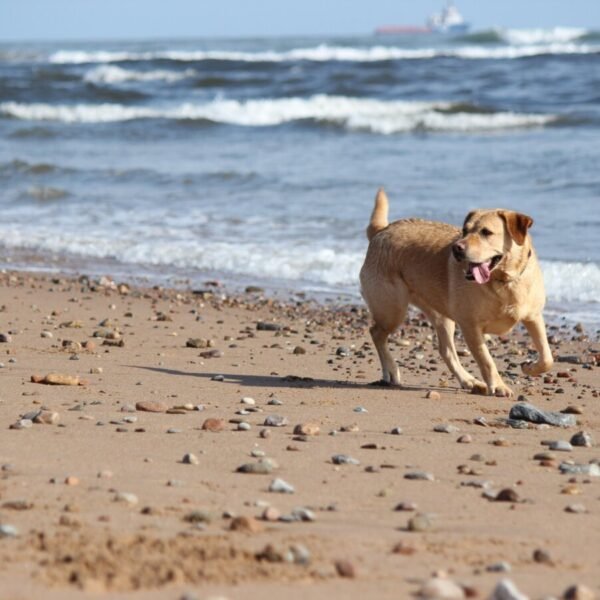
pixel 481 272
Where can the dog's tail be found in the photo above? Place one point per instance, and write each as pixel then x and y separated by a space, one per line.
pixel 379 216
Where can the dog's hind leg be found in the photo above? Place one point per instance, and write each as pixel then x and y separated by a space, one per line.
pixel 537 330
pixel 445 328
pixel 388 304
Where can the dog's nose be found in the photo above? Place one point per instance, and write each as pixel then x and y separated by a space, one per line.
pixel 458 249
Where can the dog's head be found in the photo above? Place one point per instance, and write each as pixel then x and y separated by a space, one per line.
pixel 493 241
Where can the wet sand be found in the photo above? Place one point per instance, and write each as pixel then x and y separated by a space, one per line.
pixel 101 500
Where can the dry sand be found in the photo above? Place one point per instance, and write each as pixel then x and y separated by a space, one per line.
pixel 65 486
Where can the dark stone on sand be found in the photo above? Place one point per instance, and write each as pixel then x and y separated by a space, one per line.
pixel 263 326
pixel 507 495
pixel 528 412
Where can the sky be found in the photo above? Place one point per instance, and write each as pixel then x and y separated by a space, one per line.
pixel 123 19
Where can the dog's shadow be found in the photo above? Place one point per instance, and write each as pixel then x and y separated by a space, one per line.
pixel 286 381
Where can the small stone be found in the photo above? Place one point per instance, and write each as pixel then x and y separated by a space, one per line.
pixel 300 554
pixel 419 522
pixel 499 567
pixel 303 514
pixel 47 334
pixel 47 417
pixel 276 421
pixel 6 530
pixel 576 509
pixel 432 395
pixel 199 343
pixel 582 439
pixel 243 426
pixel 264 433
pixel 299 350
pixel 360 409
pixel 528 412
pixel 154 406
pixel 281 487
pixel 560 446
pixel 271 514
pixel 441 588
pixel 190 459
pixel 446 428
pixel 5 339
pixel 591 469
pixel 217 378
pixel 246 524
pixel 308 428
pixel 22 424
pixel 72 480
pixel 507 495
pixel 419 476
pixel 214 425
pixel 506 590
pixel 345 568
pixel 542 556
pixel 578 592
pixel 248 401
pixel 263 326
pixel 264 466
pixel 126 498
pixel 572 409
pixel 465 439
pixel 406 506
pixel 199 516
pixel 344 459
pixel 396 431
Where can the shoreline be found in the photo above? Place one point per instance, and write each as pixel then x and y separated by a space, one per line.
pixel 103 499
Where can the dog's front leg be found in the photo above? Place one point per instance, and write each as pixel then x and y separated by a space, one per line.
pixel 537 331
pixel 476 343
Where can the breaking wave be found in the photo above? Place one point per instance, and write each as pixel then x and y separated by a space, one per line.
pixel 357 114
pixel 113 74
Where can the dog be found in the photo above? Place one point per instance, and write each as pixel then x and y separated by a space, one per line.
pixel 485 278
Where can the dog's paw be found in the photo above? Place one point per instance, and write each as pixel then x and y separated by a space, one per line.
pixel 384 383
pixel 502 391
pixel 469 384
pixel 535 368
pixel 479 388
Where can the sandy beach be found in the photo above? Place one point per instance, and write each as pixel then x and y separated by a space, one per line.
pixel 128 483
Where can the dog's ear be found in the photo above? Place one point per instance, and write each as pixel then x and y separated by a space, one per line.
pixel 517 225
pixel 468 218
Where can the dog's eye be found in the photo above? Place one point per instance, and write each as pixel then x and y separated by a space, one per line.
pixel 486 232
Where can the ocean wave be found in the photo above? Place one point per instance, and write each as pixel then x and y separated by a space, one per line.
pixel 325 53
pixel 355 114
pixel 113 74
pixel 554 35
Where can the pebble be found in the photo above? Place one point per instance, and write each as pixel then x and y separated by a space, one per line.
pixel 214 425
pixel 72 480
pixel 582 439
pixel 127 498
pixel 128 408
pixel 308 428
pixel 22 424
pixel 281 486
pixel 419 476
pixel 528 412
pixel 257 453
pixel 507 495
pixel 274 402
pixel 396 431
pixel 345 568
pixel 199 516
pixel 5 338
pixel 199 343
pixel 8 531
pixel 591 469
pixel 499 567
pixel 578 592
pixel 344 459
pixel 542 556
pixel 560 446
pixel 432 395
pixel 264 326
pixel 217 378
pixel 303 514
pixel 441 588
pixel 246 524
pixel 174 430
pixel 360 409
pixel 154 406
pixel 446 428
pixel 406 506
pixel 507 590
pixel 465 439
pixel 248 401
pixel 262 467
pixel 276 421
pixel 190 459
pixel 300 554
pixel 243 426
pixel 576 508
pixel 420 522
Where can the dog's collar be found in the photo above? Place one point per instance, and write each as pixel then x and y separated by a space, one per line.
pixel 506 278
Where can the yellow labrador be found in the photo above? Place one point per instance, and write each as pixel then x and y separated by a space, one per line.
pixel 486 278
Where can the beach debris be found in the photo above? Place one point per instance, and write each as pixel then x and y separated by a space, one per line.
pixel 528 412
pixel 57 379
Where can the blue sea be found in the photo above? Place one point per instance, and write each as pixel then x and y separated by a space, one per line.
pixel 257 160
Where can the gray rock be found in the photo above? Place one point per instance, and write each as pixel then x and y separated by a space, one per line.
pixel 276 421
pixel 127 498
pixel 576 508
pixel 360 409
pixel 499 567
pixel 419 522
pixel 528 412
pixel 396 431
pixel 5 338
pixel 280 486
pixel 560 446
pixel 300 554
pixel 344 459
pixel 591 469
pixel 243 426
pixel 22 424
pixel 303 514
pixel 507 590
pixel 419 476
pixel 190 459
pixel 265 466
pixel 446 428
pixel 583 439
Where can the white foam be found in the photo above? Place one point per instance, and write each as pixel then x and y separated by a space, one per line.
pixel 377 116
pixel 548 44
pixel 542 36
pixel 572 281
pixel 113 74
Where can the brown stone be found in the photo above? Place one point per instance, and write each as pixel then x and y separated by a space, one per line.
pixel 47 417
pixel 246 524
pixel 214 425
pixel 154 406
pixel 345 568
pixel 432 395
pixel 57 379
pixel 309 428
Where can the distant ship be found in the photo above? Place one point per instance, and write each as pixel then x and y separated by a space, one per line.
pixel 447 21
